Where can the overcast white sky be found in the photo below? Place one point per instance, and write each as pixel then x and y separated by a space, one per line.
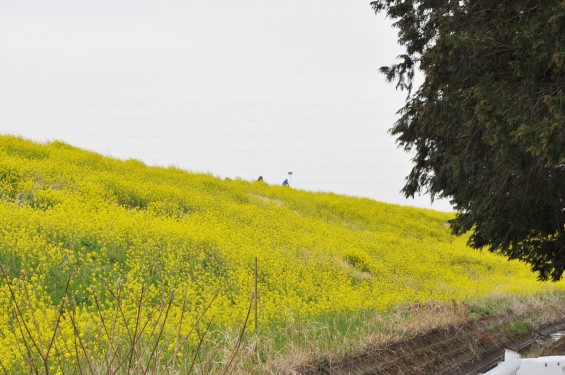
pixel 236 88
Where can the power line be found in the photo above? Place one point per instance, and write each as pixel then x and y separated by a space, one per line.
pixel 240 118
pixel 356 182
pixel 246 135
pixel 188 104
pixel 259 153
pixel 299 168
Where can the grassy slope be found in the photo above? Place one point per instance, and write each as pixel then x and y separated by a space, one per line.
pixel 127 225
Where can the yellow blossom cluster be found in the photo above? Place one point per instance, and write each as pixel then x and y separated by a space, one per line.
pixel 92 246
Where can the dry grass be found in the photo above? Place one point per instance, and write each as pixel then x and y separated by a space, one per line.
pixel 379 330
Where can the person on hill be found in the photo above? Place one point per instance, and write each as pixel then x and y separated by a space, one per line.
pixel 260 179
pixel 285 182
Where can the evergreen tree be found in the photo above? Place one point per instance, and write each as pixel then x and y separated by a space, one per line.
pixel 487 125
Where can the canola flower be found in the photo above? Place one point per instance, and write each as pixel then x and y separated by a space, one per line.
pixel 147 244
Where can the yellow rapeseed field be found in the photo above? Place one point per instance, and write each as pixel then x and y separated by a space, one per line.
pixel 137 244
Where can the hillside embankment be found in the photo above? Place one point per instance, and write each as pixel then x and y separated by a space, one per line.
pixel 162 253
pixel 463 348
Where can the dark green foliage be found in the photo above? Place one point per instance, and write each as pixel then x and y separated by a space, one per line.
pixel 487 125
